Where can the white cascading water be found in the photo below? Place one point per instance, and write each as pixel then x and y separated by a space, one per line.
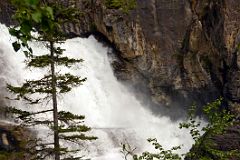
pixel 114 113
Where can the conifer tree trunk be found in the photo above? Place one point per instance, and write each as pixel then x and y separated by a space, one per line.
pixel 55 109
pixel 46 18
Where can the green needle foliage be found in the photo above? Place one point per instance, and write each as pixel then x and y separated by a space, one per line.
pixel 42 22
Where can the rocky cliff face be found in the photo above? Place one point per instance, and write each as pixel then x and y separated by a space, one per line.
pixel 184 50
pixel 179 51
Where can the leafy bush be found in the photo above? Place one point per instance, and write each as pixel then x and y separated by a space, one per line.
pixel 218 120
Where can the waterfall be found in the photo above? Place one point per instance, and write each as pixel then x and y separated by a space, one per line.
pixel 113 112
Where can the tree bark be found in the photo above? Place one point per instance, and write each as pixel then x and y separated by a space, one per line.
pixel 55 109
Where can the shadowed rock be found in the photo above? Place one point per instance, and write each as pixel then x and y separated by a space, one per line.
pixel 215 146
pixel 7 141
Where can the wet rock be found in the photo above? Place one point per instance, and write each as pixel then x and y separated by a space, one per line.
pixel 7 141
pixel 16 142
pixel 215 147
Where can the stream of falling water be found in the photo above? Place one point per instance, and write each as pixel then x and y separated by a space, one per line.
pixel 113 112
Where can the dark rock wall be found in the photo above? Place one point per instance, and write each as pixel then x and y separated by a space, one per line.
pixel 185 50
pixel 6 11
pixel 225 146
pixel 179 51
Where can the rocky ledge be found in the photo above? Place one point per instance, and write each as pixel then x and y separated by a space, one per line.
pixel 225 146
pixel 15 142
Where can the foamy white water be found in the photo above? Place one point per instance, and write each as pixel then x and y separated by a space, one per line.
pixel 113 112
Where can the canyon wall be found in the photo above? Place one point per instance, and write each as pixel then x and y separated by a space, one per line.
pixel 178 51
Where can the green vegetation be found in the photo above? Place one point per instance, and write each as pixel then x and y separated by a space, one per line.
pixel 124 5
pixel 46 19
pixel 219 120
pixel 203 148
pixel 160 152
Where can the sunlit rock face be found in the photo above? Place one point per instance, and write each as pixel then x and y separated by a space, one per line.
pixel 149 38
pixel 178 51
pixel 186 51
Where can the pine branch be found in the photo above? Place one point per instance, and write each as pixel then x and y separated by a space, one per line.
pixel 68 62
pixel 31 87
pixel 45 61
pixel 38 122
pixel 23 114
pixel 39 61
pixel 76 137
pixel 66 116
pixel 72 129
pixel 66 81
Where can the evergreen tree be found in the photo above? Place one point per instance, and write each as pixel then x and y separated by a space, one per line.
pixel 46 19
